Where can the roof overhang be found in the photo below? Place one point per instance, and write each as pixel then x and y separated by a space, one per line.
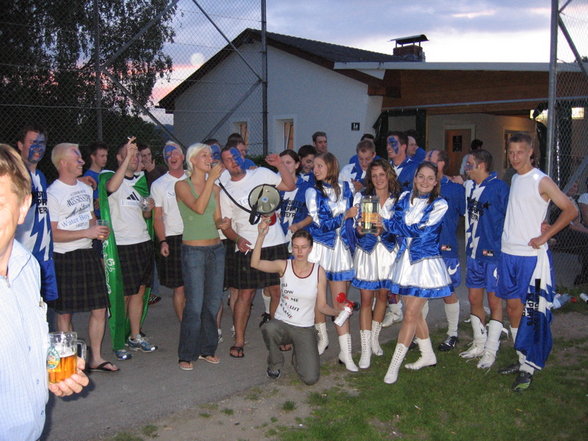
pixel 504 67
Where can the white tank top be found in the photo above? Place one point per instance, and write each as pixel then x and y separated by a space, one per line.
pixel 525 212
pixel 297 297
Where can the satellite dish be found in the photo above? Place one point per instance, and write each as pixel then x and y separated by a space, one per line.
pixel 263 200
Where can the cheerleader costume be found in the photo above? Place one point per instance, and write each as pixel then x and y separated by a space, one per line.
pixel 293 207
pixel 419 269
pixel 331 248
pixel 374 256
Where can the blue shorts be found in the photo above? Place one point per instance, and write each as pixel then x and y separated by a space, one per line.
pixel 515 274
pixel 481 274
pixel 454 270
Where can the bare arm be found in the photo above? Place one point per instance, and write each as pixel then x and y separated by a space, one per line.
pixel 288 182
pixel 300 225
pixel 321 297
pixel 92 232
pixel 549 190
pixel 114 183
pixel 267 266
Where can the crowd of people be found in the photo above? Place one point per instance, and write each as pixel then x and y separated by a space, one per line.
pixel 93 237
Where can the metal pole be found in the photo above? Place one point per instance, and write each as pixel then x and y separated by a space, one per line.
pixel 97 73
pixel 264 76
pixel 551 120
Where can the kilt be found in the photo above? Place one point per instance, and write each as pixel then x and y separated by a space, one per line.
pixel 230 262
pixel 170 268
pixel 245 277
pixel 80 281
pixel 136 264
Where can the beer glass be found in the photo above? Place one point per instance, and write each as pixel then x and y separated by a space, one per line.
pixel 62 355
pixel 102 223
pixel 369 214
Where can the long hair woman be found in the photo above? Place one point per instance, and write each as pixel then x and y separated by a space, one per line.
pixel 328 203
pixel 420 273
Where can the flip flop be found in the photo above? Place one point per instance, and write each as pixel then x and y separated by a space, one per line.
pixel 238 350
pixel 102 368
pixel 209 358
pixel 189 366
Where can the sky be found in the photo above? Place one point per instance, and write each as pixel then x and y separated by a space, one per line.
pixel 458 30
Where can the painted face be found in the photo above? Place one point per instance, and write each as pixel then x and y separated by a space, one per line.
pixel 379 178
pixel 242 149
pixel 307 164
pixel 470 166
pixel 393 146
pixel 216 149
pixel 320 169
pixel 12 211
pixel 33 147
pixel 365 159
pixel 425 180
pixel 301 248
pixel 73 162
pixel 289 163
pixel 228 160
pixel 321 144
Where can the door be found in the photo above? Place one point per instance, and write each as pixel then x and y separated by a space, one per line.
pixel 457 145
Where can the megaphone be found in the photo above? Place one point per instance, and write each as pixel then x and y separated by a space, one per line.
pixel 264 200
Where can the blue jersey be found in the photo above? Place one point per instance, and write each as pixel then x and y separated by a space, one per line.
pixel 454 194
pixel 293 205
pixel 94 175
pixel 405 173
pixel 485 211
pixel 419 155
pixel 35 235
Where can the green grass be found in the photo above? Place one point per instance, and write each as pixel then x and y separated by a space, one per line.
pixel 150 431
pixel 456 401
pixel 227 411
pixel 288 406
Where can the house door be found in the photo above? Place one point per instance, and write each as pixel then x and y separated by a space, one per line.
pixel 457 145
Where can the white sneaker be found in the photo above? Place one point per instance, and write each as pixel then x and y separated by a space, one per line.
pixel 392 317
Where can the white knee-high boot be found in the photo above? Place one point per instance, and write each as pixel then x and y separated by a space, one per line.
pixel 392 373
pixel 427 357
pixel 376 329
pixel 345 353
pixel 366 348
pixel 477 347
pixel 492 344
pixel 323 337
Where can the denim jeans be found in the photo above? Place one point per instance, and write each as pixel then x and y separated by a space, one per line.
pixel 203 271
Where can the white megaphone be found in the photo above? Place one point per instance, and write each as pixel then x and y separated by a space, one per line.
pixel 264 200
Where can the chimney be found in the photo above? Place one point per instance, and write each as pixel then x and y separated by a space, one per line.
pixel 409 48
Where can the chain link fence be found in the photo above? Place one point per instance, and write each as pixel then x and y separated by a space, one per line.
pixel 97 69
pixel 569 161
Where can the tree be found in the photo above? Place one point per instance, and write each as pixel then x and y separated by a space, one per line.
pixel 47 67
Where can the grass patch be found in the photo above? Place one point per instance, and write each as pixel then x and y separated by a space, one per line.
pixel 204 415
pixel 125 436
pixel 274 419
pixel 150 431
pixel 227 411
pixel 454 401
pixel 288 406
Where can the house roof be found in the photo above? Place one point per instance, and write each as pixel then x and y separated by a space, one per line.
pixel 324 54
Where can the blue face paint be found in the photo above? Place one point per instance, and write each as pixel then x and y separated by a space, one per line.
pixel 238 158
pixel 37 149
pixel 468 167
pixel 216 152
pixel 392 141
pixel 167 152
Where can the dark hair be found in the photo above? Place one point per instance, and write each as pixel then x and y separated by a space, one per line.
pixel 393 185
pixel 368 136
pixel 235 136
pixel 211 141
pixel 332 173
pixel 521 137
pixel 402 139
pixel 436 189
pixel 141 147
pixel 484 156
pixel 303 233
pixel 30 128
pixel 306 150
pixel 95 146
pixel 366 145
pixel 476 144
pixel 234 142
pixel 315 135
pixel 292 154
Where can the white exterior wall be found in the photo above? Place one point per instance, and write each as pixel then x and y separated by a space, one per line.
pixel 313 97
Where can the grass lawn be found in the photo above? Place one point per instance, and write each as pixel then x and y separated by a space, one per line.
pixel 457 401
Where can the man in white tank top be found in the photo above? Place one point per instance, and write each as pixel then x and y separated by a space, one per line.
pixel 524 257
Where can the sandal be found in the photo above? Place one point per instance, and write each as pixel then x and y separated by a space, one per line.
pixel 107 366
pixel 210 359
pixel 236 352
pixel 185 365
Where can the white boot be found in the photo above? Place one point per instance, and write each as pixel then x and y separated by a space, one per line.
pixel 345 353
pixel 393 314
pixel 376 348
pixel 366 348
pixel 323 337
pixel 477 347
pixel 392 373
pixel 492 345
pixel 427 357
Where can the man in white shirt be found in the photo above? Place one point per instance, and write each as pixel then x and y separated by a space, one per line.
pixel 354 172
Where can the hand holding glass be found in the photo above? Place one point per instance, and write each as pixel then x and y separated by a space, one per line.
pixel 62 358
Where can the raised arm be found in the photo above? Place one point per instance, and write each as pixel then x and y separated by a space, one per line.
pixel 114 183
pixel 267 266
pixel 288 182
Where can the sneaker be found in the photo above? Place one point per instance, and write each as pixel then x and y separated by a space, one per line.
pixel 274 375
pixel 510 369
pixel 220 335
pixel 123 354
pixel 140 344
pixel 153 299
pixel 449 343
pixel 392 317
pixel 522 382
pixel 265 317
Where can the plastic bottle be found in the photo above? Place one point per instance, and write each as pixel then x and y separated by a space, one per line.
pixel 584 297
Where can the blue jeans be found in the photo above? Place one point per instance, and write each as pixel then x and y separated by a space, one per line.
pixel 203 269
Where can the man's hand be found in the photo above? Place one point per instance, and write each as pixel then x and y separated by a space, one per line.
pixel 164 249
pixel 224 224
pixel 216 171
pixel 243 245
pixel 88 180
pixel 273 160
pixel 73 384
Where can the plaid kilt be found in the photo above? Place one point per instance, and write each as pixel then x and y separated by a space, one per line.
pixel 230 262
pixel 245 277
pixel 170 268
pixel 136 264
pixel 80 281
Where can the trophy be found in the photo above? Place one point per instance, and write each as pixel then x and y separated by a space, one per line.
pixel 369 214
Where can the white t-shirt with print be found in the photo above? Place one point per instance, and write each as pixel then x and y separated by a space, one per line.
pixel 126 215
